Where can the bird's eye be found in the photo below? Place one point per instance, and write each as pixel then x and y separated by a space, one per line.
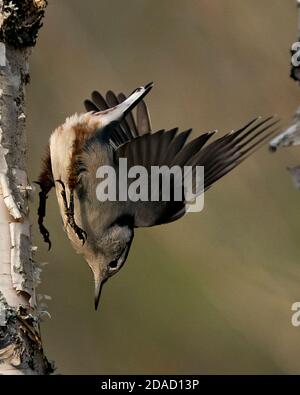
pixel 114 264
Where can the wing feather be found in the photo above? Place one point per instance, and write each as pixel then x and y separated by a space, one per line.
pixel 169 148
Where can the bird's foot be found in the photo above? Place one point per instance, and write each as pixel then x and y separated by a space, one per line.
pixel 41 215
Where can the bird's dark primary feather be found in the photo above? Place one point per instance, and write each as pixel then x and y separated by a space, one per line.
pixel 90 106
pixel 99 101
pixel 111 99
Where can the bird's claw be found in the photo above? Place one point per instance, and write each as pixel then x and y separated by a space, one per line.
pixel 81 234
pixel 46 235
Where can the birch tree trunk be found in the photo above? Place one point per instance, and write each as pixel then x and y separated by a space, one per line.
pixel 21 349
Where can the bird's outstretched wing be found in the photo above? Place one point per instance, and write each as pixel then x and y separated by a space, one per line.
pixel 170 148
pixel 135 123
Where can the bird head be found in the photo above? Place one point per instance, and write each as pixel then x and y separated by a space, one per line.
pixel 109 255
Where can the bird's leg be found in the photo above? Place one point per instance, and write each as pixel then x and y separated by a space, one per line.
pixel 46 183
pixel 69 212
pixel 80 232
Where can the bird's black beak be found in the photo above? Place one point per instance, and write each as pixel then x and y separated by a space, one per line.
pixel 98 289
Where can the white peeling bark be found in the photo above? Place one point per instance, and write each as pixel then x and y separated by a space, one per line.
pixel 291 135
pixel 20 343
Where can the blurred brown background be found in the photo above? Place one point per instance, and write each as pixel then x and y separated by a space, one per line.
pixel 212 292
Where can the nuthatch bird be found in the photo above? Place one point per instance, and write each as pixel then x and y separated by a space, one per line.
pixel 102 231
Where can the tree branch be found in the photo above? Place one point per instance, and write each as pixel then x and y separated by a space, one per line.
pixel 291 135
pixel 21 349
